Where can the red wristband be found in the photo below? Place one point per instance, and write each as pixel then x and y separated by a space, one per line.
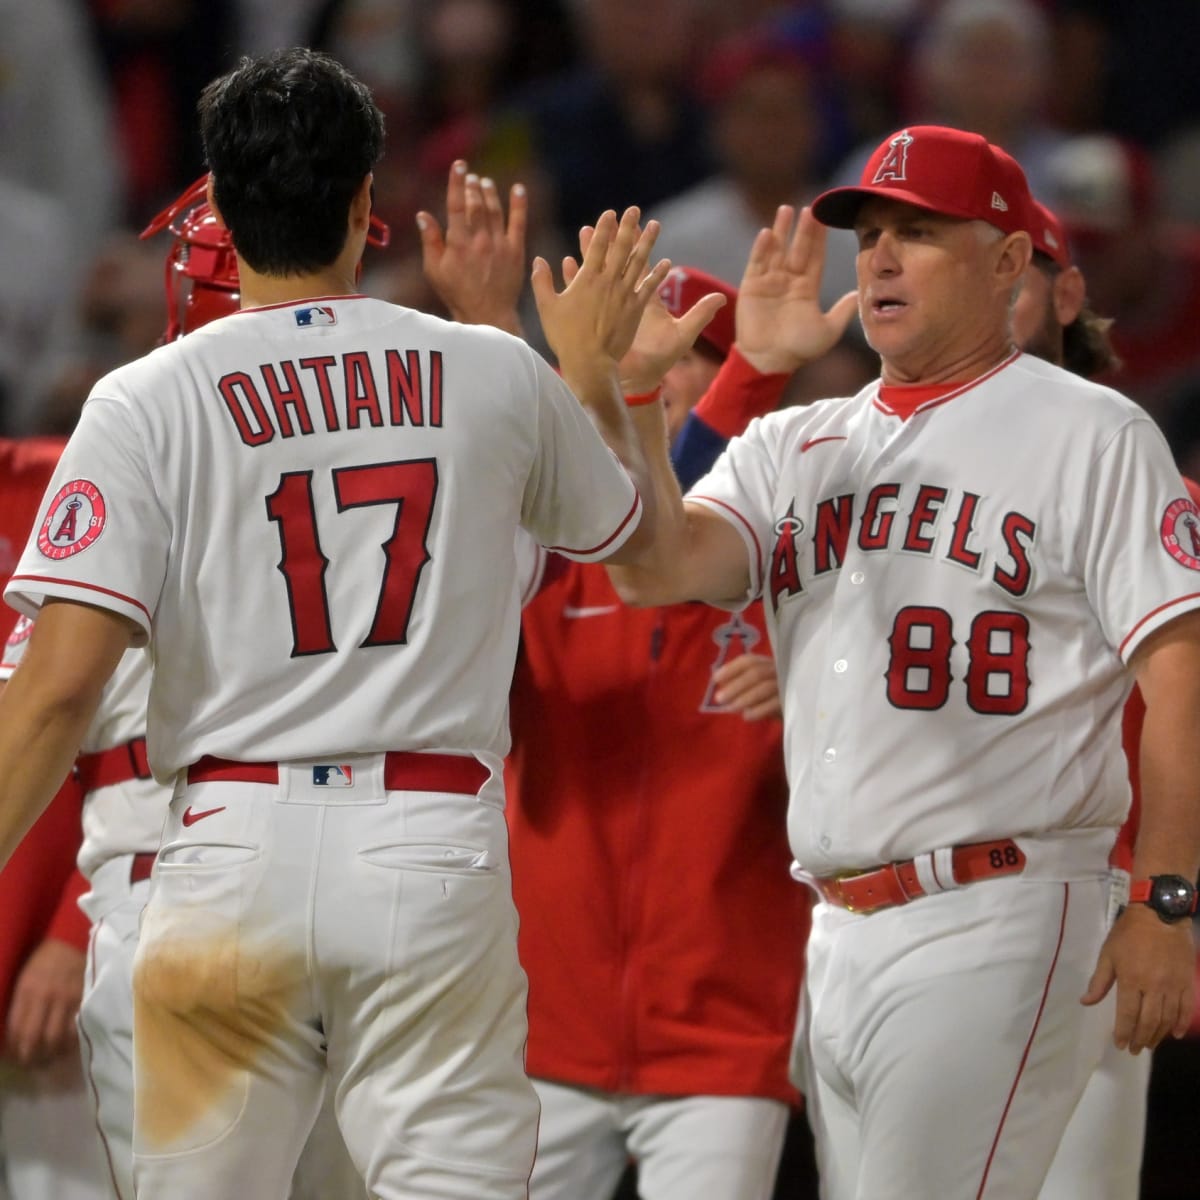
pixel 644 397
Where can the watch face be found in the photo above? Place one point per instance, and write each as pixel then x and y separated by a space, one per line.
pixel 1172 897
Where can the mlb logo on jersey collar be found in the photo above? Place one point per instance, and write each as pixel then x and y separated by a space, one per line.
pixel 316 314
pixel 333 775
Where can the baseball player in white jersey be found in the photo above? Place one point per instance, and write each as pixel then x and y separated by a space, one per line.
pixel 963 567
pixel 125 807
pixel 308 508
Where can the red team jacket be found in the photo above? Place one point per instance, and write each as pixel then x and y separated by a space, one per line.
pixel 40 887
pixel 661 932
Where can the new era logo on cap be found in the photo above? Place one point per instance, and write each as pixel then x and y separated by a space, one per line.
pixel 944 170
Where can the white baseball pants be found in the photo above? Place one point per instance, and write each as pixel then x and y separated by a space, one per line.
pixel 1100 1156
pixel 942 1046
pixel 379 925
pixel 115 906
pixel 49 1148
pixel 718 1147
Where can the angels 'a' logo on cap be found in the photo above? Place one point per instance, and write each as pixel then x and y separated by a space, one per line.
pixel 1181 532
pixel 895 161
pixel 74 521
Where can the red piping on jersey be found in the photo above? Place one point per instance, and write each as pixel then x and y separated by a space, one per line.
pixel 721 504
pixel 1151 615
pixel 616 533
pixel 91 587
pixel 1062 927
pixel 294 303
pixel 966 387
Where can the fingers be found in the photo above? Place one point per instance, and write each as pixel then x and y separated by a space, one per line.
pixel 698 316
pixel 518 218
pixel 748 685
pixel 456 197
pixel 806 249
pixel 433 244
pixel 541 281
pixel 474 210
pixel 493 210
pixel 1100 983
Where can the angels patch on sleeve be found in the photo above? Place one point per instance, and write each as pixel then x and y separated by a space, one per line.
pixel 1181 532
pixel 74 521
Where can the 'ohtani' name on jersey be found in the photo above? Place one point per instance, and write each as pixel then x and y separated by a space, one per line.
pixel 334 392
pixel 910 518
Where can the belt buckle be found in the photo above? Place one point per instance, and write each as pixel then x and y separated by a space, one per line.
pixel 852 908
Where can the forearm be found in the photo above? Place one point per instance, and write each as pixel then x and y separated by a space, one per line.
pixel 597 387
pixel 47 706
pixel 657 573
pixel 39 738
pixel 1168 841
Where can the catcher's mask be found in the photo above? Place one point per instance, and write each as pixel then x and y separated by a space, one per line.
pixel 201 273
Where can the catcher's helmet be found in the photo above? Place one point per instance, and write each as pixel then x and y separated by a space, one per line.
pixel 201 274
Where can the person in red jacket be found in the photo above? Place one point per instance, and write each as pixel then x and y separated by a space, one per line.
pixel 49 1149
pixel 660 929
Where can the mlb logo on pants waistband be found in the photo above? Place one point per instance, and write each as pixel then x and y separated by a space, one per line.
pixel 333 775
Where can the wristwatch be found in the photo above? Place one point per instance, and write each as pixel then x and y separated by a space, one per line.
pixel 1171 896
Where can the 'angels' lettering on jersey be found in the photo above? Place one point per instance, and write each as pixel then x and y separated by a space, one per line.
pixel 913 518
pixel 334 392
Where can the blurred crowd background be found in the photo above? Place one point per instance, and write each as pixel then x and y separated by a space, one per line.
pixel 706 113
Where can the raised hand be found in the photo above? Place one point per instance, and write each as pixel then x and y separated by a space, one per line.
pixel 780 324
pixel 592 321
pixel 477 266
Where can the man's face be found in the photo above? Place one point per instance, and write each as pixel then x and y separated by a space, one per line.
pixel 684 384
pixel 927 289
pixel 1034 321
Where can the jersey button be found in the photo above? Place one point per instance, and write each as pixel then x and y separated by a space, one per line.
pixel 826 842
pixel 857 577
pixel 829 754
pixel 840 666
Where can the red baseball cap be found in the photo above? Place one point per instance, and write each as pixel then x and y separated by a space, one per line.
pixel 947 171
pixel 1049 237
pixel 684 286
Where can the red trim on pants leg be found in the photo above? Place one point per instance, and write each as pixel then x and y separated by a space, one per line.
pixel 1062 927
pixel 91 1058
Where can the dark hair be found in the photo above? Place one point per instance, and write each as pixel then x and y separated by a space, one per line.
pixel 1087 349
pixel 289 139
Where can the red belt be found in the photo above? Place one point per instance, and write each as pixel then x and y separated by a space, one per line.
pixel 898 883
pixel 113 766
pixel 403 771
pixel 141 866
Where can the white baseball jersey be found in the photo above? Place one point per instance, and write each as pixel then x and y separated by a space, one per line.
pixel 952 600
pixel 312 507
pixel 123 818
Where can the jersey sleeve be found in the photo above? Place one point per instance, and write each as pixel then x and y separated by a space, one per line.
pixel 579 500
pixel 1141 538
pixel 101 535
pixel 740 488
